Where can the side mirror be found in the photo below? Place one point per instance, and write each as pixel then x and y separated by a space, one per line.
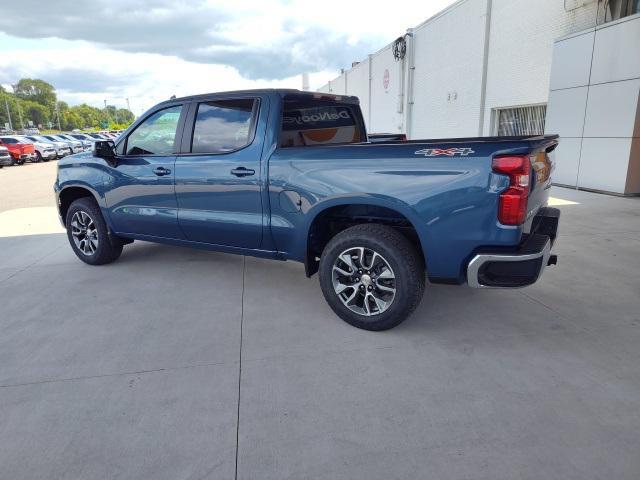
pixel 105 149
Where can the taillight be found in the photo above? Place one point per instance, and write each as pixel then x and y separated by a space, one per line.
pixel 512 208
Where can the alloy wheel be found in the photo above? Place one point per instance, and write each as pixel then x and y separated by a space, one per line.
pixel 364 281
pixel 84 233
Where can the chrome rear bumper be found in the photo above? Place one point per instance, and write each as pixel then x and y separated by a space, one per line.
pixel 520 268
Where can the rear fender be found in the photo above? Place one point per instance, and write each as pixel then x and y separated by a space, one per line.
pixel 302 241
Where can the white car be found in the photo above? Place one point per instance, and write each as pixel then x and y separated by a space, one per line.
pixel 44 151
pixel 86 144
pixel 62 148
pixel 76 146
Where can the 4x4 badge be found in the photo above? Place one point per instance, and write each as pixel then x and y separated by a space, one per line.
pixel 447 152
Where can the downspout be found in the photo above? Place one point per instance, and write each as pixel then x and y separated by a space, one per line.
pixel 485 67
pixel 400 103
pixel 411 67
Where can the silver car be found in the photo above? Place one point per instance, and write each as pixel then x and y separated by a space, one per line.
pixel 5 157
pixel 62 148
pixel 44 151
pixel 76 146
pixel 86 144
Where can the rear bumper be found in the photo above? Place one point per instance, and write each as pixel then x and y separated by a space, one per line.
pixel 522 267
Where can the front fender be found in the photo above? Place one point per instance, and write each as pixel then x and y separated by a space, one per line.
pixel 75 173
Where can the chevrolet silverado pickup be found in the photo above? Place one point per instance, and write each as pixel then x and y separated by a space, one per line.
pixel 290 175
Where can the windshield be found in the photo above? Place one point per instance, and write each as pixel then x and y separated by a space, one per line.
pixel 8 140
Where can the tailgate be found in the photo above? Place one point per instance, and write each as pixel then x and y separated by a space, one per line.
pixel 542 165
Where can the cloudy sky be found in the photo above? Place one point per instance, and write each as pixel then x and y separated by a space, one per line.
pixel 149 50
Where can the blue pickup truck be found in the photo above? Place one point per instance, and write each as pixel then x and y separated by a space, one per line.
pixel 291 175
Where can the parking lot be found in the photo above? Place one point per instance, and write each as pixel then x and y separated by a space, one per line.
pixel 182 364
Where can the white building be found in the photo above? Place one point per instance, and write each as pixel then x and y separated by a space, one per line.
pixel 484 67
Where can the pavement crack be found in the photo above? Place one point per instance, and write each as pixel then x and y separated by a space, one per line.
pixel 116 374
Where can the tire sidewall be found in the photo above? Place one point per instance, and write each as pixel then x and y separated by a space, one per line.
pixel 90 208
pixel 402 302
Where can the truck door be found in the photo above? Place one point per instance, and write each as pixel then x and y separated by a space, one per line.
pixel 218 177
pixel 140 193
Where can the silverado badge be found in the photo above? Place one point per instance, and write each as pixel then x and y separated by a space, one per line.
pixel 447 152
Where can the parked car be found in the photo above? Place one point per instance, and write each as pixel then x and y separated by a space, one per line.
pixel 20 150
pixel 83 137
pixel 5 157
pixel 289 175
pixel 86 144
pixel 62 148
pixel 98 136
pixel 44 151
pixel 76 146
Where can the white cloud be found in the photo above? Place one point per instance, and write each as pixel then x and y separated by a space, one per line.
pixel 147 51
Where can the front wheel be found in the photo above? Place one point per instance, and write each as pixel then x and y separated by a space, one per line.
pixel 88 233
pixel 38 158
pixel 372 276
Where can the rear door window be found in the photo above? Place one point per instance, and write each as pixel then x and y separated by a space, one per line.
pixel 223 126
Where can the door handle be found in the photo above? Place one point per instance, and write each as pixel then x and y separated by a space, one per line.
pixel 161 171
pixel 243 172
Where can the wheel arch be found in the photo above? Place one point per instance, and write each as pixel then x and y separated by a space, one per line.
pixel 70 193
pixel 330 217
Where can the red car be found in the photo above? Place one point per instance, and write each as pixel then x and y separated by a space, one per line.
pixel 20 152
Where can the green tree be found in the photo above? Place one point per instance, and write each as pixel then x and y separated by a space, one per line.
pixel 125 116
pixel 37 91
pixel 35 112
pixel 71 120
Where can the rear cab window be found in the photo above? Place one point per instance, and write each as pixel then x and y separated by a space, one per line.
pixel 308 120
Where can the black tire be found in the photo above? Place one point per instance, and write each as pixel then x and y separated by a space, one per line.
pixel 109 247
pixel 406 263
pixel 38 157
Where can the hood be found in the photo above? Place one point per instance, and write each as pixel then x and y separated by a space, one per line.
pixel 77 156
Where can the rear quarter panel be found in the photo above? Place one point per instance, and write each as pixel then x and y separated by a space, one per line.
pixel 451 201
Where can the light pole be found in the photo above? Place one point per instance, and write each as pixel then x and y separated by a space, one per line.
pixel 58 115
pixel 6 104
pixel 20 115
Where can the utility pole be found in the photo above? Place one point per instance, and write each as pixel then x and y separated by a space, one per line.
pixel 20 116
pixel 58 115
pixel 6 104
pixel 128 106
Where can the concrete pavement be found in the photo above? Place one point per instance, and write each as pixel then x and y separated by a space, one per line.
pixel 175 363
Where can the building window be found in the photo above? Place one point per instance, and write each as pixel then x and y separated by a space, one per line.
pixel 520 121
pixel 610 10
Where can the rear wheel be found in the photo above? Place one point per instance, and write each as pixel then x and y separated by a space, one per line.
pixel 372 276
pixel 88 233
pixel 38 157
